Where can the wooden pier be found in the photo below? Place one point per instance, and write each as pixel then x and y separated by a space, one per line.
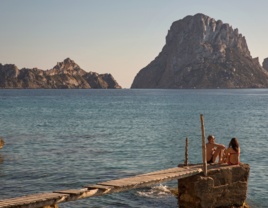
pixel 50 200
pixel 102 188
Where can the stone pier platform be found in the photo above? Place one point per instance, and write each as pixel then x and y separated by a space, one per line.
pixel 224 187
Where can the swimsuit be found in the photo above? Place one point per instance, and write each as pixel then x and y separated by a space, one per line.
pixel 229 163
pixel 211 160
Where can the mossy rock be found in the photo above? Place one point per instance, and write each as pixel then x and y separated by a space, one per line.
pixel 2 143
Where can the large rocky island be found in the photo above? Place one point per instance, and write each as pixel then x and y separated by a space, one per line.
pixel 201 52
pixel 65 75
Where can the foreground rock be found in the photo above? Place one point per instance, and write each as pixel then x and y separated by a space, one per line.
pixel 225 187
pixel 65 75
pixel 2 143
pixel 201 52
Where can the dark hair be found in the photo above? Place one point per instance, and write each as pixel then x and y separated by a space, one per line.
pixel 210 137
pixel 234 144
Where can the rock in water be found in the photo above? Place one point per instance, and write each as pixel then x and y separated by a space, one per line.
pixel 2 143
pixel 65 75
pixel 201 52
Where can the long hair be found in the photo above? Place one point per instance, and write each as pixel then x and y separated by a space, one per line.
pixel 234 144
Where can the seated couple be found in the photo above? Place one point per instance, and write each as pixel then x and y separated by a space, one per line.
pixel 230 155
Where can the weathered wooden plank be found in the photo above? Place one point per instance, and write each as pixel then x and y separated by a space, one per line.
pixel 130 181
pixel 42 196
pixel 87 194
pixel 150 179
pixel 171 170
pixel 72 191
pixel 19 201
pixel 22 197
pixel 98 187
pixel 30 199
pixel 163 174
pixel 34 205
pixel 125 187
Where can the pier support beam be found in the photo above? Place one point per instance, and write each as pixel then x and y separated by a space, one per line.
pixel 224 187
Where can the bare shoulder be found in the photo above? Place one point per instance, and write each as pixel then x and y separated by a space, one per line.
pixel 209 145
pixel 228 150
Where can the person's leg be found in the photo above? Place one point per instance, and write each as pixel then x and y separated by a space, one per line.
pixel 224 157
pixel 218 153
pixel 221 156
pixel 212 153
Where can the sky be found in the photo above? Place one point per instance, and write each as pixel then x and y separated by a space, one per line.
pixel 119 37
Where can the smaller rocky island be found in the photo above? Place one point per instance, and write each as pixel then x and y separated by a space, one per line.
pixel 65 75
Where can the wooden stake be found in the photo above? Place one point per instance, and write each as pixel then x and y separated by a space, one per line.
pixel 204 146
pixel 186 153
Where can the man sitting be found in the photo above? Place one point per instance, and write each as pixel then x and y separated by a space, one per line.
pixel 214 150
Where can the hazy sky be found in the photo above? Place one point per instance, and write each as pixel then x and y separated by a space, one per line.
pixel 113 36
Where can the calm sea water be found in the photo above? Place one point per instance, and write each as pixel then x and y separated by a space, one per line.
pixel 64 139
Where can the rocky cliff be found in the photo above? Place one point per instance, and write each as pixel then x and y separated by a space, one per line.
pixel 65 75
pixel 265 64
pixel 201 52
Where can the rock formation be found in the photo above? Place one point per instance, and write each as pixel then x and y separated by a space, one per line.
pixel 256 61
pixel 202 53
pixel 2 143
pixel 265 64
pixel 65 75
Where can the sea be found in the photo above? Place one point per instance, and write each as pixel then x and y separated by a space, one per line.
pixel 58 139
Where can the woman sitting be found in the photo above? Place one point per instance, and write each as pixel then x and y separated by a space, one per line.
pixel 232 154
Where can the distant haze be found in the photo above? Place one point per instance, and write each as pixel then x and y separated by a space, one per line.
pixel 118 37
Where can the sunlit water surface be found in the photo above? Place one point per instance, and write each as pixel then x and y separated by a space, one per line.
pixel 64 139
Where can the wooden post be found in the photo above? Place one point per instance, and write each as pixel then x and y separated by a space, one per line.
pixel 204 146
pixel 186 153
pixel 51 206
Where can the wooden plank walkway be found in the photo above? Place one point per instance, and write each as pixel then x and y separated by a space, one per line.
pixel 108 187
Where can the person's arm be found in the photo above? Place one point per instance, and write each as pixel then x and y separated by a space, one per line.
pixel 221 146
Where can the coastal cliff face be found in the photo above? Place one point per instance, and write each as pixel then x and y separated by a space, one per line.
pixel 265 64
pixel 201 52
pixel 65 75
